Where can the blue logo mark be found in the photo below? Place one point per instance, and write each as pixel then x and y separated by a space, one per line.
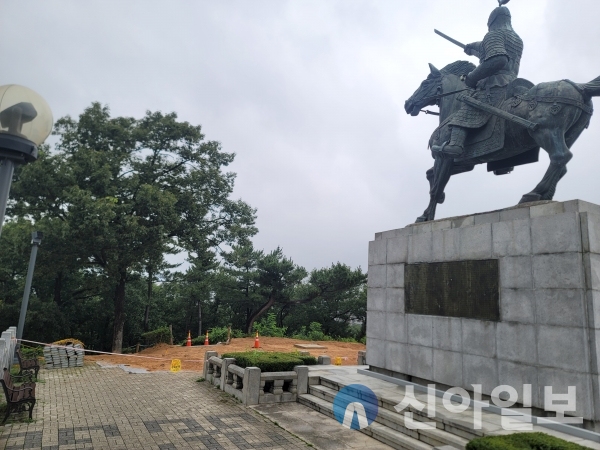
pixel 355 406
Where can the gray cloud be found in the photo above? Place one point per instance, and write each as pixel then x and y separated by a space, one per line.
pixel 309 95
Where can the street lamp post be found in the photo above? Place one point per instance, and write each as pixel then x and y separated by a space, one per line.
pixel 36 240
pixel 25 123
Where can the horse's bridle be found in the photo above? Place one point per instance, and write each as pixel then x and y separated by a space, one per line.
pixel 439 96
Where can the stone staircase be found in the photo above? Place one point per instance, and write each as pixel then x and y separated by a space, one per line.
pixel 453 430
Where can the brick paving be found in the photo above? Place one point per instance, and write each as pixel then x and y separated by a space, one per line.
pixel 107 408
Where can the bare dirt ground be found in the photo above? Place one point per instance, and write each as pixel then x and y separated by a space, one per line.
pixel 192 357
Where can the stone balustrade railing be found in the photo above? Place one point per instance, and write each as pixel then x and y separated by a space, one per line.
pixel 212 368
pixel 278 387
pixel 252 387
pixel 8 342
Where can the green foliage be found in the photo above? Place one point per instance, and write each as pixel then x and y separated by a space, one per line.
pixel 162 334
pixel 522 441
pixel 268 327
pixel 314 333
pixel 340 305
pixel 217 334
pixel 113 198
pixel 32 352
pixel 271 361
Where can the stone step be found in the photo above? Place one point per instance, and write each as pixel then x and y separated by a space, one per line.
pixel 325 382
pixel 459 425
pixel 377 431
pixel 389 396
pixel 396 422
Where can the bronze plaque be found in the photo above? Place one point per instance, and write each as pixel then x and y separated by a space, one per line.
pixel 468 289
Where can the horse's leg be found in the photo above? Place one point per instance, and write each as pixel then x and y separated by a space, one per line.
pixel 442 169
pixel 553 141
pixel 430 178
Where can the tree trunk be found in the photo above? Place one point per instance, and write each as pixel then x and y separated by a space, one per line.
pixel 147 312
pixel 58 288
pixel 146 317
pixel 264 308
pixel 199 318
pixel 119 317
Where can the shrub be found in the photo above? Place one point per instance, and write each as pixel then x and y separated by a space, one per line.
pixel 315 333
pixel 268 326
pixel 217 334
pixel 162 334
pixel 301 334
pixel 271 361
pixel 32 352
pixel 522 441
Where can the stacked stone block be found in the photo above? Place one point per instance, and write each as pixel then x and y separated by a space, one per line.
pixel 549 331
pixel 63 356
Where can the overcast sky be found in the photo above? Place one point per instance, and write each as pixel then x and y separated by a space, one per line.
pixel 309 94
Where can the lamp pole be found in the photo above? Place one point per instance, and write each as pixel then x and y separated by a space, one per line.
pixel 7 167
pixel 36 240
pixel 25 122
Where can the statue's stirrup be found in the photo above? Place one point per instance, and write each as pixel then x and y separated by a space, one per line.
pixel 442 147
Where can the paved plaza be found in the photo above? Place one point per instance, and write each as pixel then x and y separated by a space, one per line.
pixel 108 408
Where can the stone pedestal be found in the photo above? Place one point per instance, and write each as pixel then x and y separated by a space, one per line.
pixel 548 332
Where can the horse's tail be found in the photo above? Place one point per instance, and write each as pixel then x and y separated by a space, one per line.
pixel 591 89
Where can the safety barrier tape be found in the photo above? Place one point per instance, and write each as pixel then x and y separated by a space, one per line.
pixel 129 355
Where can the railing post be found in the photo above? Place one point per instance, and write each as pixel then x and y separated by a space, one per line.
pixel 324 359
pixel 226 377
pixel 205 369
pixel 250 392
pixel 302 384
pixel 4 354
pixel 362 358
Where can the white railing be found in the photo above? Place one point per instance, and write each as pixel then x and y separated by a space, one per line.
pixel 8 342
pixel 278 387
pixel 252 387
pixel 212 369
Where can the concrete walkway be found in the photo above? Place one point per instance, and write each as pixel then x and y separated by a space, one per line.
pixel 318 429
pixel 108 408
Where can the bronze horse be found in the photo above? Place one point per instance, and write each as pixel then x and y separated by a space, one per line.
pixel 559 111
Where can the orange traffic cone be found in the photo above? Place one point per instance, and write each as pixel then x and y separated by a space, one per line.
pixel 189 340
pixel 256 341
pixel 206 338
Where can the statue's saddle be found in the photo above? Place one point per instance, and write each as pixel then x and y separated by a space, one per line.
pixel 490 137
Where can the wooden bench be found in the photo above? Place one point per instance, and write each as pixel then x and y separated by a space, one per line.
pixel 17 397
pixel 27 365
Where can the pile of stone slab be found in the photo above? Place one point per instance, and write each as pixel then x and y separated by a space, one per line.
pixel 63 356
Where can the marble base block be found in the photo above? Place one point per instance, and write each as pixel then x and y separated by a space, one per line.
pixel 548 333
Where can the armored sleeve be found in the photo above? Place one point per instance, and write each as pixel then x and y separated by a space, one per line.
pixel 494 45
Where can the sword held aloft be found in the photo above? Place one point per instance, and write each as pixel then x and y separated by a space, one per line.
pixel 448 38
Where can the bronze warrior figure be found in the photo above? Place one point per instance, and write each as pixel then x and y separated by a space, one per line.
pixel 488 115
pixel 499 55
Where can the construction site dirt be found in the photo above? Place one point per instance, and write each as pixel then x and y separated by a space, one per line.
pixel 192 358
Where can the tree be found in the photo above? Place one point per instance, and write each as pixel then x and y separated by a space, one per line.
pixel 252 283
pixel 129 192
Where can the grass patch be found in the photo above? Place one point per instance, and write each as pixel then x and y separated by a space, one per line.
pixel 200 380
pixel 271 361
pixel 522 441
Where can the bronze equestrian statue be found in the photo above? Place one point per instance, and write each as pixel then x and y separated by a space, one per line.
pixel 488 115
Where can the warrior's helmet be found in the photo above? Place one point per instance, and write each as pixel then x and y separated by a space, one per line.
pixel 500 17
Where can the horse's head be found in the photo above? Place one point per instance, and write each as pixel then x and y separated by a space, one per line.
pixel 438 82
pixel 426 94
